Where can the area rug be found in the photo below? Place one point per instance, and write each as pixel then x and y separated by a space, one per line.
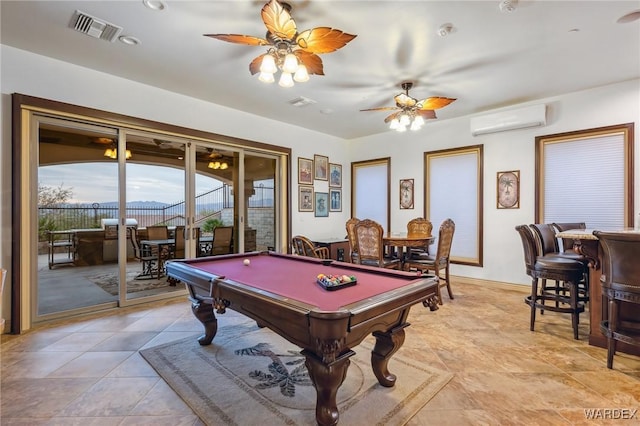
pixel 108 281
pixel 252 376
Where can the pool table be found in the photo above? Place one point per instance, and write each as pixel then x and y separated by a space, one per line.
pixel 280 291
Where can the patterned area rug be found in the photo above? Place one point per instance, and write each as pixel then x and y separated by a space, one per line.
pixel 252 376
pixel 108 281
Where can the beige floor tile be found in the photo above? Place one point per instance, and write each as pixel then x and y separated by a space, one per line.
pixel 40 398
pixel 187 420
pixel 91 364
pixel 34 364
pixel 79 341
pixel 134 366
pixel 125 341
pixel 110 397
pixel 161 401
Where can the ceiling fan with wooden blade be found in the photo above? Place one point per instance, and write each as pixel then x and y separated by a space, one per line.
pixel 294 53
pixel 411 111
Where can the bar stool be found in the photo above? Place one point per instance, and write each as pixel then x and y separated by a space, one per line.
pixel 548 244
pixel 567 272
pixel 620 284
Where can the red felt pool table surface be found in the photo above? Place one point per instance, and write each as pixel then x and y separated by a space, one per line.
pixel 295 277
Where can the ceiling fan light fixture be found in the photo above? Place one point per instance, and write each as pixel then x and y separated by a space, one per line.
pixel 301 74
pixel 404 120
pixel 266 77
pixel 113 153
pixel 290 64
pixel 289 48
pixel 286 80
pixel 417 123
pixel 268 64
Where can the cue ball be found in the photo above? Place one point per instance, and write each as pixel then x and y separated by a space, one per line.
pixel 246 262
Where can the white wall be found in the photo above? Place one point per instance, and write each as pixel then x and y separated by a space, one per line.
pixel 512 150
pixel 35 75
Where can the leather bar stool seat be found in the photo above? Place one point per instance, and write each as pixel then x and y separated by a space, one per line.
pixel 548 244
pixel 567 273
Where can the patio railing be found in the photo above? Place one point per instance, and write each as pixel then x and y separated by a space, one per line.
pixel 207 205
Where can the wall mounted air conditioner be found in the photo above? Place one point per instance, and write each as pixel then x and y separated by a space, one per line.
pixel 520 118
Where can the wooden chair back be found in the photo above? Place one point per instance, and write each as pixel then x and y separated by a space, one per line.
pixel 370 245
pixel 351 236
pixel 303 246
pixel 419 227
pixel 445 239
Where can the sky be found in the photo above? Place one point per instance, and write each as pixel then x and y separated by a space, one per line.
pixel 144 182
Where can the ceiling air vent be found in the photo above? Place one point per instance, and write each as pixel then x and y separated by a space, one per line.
pixel 94 27
pixel 301 101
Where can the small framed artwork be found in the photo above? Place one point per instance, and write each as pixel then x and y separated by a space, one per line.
pixel 322 204
pixel 508 189
pixel 320 167
pixel 335 200
pixel 335 175
pixel 305 198
pixel 406 194
pixel 305 171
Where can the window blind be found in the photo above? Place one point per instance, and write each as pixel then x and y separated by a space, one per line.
pixel 453 193
pixel 584 181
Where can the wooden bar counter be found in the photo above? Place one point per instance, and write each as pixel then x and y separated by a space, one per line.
pixel 587 245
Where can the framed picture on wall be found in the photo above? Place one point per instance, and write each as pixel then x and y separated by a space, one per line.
pixel 305 198
pixel 335 175
pixel 305 171
pixel 320 167
pixel 322 204
pixel 406 194
pixel 335 200
pixel 508 189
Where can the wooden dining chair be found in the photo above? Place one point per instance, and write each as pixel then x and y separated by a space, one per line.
pixel 303 246
pixel 370 245
pixel 440 261
pixel 353 241
pixel 417 228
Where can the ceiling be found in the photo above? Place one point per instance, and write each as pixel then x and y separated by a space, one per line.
pixel 489 60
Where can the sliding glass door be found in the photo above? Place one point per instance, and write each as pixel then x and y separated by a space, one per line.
pixel 93 189
pixel 77 210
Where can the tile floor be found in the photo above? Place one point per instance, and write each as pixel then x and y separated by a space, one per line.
pixel 89 371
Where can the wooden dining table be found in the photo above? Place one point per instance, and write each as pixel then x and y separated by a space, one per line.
pixel 403 243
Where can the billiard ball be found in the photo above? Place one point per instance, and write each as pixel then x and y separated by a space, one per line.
pixel 246 262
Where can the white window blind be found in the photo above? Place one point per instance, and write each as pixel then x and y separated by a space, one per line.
pixel 453 192
pixel 370 198
pixel 584 181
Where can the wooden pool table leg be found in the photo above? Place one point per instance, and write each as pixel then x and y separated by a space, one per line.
pixel 204 313
pixel 327 379
pixel 387 343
